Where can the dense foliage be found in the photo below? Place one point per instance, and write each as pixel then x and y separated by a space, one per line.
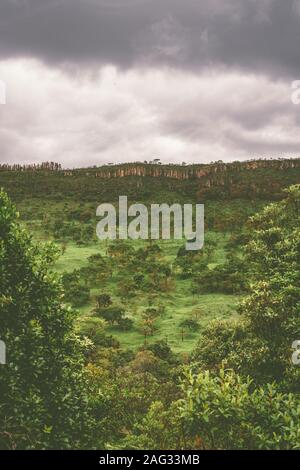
pixel 42 399
pixel 261 345
pixel 70 382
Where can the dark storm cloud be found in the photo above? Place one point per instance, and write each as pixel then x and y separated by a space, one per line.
pixel 253 34
pixel 193 80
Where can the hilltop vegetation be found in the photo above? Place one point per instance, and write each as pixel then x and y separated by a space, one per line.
pixel 148 182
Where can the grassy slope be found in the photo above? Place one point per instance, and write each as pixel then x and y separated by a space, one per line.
pixel 54 197
pixel 179 302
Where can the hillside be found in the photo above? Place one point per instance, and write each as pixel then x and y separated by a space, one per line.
pixel 256 179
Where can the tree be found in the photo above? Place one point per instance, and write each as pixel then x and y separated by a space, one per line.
pixel 42 401
pixel 161 428
pixel 75 293
pixel 261 344
pixel 125 324
pixel 227 412
pixel 112 314
pixel 228 278
pixel 162 350
pixel 272 309
pixel 104 300
pixel 191 324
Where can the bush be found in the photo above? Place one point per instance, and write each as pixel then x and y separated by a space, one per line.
pixel 190 324
pixel 229 278
pixel 125 324
pixel 225 412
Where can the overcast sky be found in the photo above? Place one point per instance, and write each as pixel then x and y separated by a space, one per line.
pixel 98 81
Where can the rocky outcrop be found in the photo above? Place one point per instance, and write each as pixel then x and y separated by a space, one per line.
pixel 192 171
pixel 218 173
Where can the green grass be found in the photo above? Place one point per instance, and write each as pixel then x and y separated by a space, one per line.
pixel 76 257
pixel 179 302
pixel 179 307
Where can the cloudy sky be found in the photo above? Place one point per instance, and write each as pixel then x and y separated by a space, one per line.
pixel 97 81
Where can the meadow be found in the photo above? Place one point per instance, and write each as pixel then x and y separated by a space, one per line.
pixel 44 219
pixel 179 301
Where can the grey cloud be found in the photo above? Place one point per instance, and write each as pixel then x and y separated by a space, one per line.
pixel 252 34
pixel 263 146
pixel 190 80
pixel 244 114
pixel 138 114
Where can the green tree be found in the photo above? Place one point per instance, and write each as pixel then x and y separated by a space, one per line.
pixel 272 309
pixel 112 314
pixel 104 300
pixel 42 387
pixel 226 412
pixel 261 344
